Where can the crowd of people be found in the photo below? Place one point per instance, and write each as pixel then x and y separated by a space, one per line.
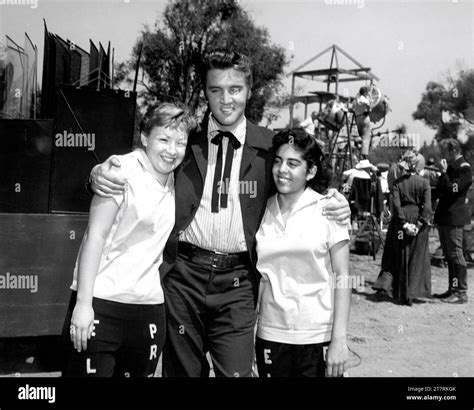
pixel 419 200
pixel 418 196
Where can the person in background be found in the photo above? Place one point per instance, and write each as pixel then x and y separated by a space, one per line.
pixel 396 170
pixel 406 274
pixel 432 174
pixel 115 324
pixel 421 162
pixel 452 213
pixel 362 169
pixel 362 108
pixel 309 124
pixel 365 192
pixel 305 293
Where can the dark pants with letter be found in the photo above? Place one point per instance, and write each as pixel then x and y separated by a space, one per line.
pixel 210 301
pixel 451 237
pixel 127 341
pixel 287 360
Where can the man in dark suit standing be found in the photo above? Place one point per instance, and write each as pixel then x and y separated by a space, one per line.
pixel 208 273
pixel 452 213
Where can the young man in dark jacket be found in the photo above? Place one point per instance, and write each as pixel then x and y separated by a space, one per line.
pixel 452 213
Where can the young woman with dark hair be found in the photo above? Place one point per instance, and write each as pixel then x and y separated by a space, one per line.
pixel 304 297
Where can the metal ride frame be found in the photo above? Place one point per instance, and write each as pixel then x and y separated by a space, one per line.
pixel 335 74
pixel 338 160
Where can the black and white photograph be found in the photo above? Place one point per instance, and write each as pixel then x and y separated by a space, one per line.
pixel 194 191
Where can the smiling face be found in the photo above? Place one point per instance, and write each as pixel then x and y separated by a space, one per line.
pixel 165 147
pixel 227 92
pixel 290 172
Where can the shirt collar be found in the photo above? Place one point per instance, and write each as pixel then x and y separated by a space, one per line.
pixel 238 130
pixel 308 197
pixel 145 162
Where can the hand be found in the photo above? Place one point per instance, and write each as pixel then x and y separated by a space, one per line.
pixel 106 178
pixel 338 208
pixel 443 164
pixel 82 322
pixel 411 229
pixel 336 358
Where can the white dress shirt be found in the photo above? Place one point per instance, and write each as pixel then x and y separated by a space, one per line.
pixel 222 231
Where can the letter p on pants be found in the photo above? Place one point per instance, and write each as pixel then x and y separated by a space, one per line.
pixel 152 330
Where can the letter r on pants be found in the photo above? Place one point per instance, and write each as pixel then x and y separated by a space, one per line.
pixel 153 352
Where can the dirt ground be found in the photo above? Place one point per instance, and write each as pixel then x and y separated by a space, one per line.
pixel 428 339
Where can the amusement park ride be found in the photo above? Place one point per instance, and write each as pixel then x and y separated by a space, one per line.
pixel 337 122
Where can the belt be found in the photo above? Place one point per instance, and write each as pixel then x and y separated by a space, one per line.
pixel 215 259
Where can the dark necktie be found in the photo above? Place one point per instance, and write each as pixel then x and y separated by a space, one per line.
pixel 233 145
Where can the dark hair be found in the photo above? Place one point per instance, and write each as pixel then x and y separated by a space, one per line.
pixel 224 59
pixel 451 145
pixel 363 90
pixel 312 154
pixel 173 115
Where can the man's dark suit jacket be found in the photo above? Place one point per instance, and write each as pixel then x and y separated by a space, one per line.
pixel 453 186
pixel 256 165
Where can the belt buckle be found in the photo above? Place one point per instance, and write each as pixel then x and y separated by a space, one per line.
pixel 215 255
pixel 214 260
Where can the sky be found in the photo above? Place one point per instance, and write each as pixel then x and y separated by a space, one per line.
pixel 406 43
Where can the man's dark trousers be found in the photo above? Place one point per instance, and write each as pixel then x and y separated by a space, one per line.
pixel 209 308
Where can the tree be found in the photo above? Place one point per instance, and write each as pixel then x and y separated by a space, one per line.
pixel 449 109
pixel 172 53
pixel 450 106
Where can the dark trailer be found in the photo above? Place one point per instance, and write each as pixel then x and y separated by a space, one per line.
pixel 44 166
